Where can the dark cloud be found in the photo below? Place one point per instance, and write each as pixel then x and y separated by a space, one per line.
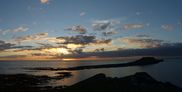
pixel 79 39
pixel 47 45
pixel 108 33
pixel 83 40
pixel 40 54
pixel 4 45
pixel 167 49
pixel 142 36
pixel 13 56
pixel 78 28
pixel 77 51
pixel 22 47
pixel 103 41
pixel 99 50
pixel 104 24
pixel 101 25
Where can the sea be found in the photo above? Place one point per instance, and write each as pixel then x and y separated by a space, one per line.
pixel 168 71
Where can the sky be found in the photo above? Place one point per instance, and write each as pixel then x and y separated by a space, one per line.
pixel 54 29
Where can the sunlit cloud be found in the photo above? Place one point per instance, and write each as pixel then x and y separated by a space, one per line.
pixel 13 56
pixel 44 1
pixel 100 47
pixel 133 26
pixel 142 42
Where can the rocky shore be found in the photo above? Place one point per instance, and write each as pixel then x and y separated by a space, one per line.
pixel 29 83
pixel 139 82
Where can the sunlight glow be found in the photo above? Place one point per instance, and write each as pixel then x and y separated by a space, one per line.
pixel 58 51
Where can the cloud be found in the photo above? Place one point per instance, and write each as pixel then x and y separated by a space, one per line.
pixel 7 46
pixel 99 50
pixel 167 27
pixel 142 43
pixel 18 29
pixel 39 36
pixel 22 47
pixel 102 41
pixel 47 45
pixel 78 39
pixel 13 56
pixel 83 40
pixel 133 26
pixel 44 1
pixel 104 24
pixel 138 13
pixel 82 14
pixel 142 36
pixel 167 49
pixel 54 40
pixel 2 32
pixel 42 34
pixel 78 28
pixel 108 33
pixel 4 45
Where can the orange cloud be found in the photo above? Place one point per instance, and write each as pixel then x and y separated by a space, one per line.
pixel 44 1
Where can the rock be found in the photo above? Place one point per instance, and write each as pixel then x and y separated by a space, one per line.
pixel 139 82
pixel 147 61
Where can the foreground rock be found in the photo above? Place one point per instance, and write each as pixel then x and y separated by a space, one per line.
pixel 29 83
pixel 140 82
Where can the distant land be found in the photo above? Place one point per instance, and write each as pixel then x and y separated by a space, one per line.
pixel 141 62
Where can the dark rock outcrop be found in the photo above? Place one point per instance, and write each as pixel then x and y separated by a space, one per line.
pixel 139 82
pixel 29 83
pixel 146 61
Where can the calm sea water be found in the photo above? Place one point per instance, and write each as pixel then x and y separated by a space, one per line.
pixel 168 71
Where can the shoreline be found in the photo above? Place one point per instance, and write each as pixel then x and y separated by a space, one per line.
pixel 141 62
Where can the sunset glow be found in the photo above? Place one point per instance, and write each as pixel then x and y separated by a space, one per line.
pixel 51 28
